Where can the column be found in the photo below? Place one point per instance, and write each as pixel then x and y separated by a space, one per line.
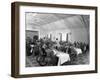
pixel 66 37
pixel 50 36
pixel 60 36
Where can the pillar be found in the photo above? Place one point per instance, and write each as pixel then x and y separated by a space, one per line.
pixel 50 36
pixel 66 37
pixel 60 36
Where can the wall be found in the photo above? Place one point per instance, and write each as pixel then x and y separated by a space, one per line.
pixel 31 34
pixel 73 25
pixel 5 41
pixel 79 35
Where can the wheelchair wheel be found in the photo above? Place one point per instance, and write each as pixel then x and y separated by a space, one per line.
pixel 41 60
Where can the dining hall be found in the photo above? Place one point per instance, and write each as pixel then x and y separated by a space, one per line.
pixel 54 39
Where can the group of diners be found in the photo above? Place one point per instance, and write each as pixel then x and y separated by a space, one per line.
pixel 51 48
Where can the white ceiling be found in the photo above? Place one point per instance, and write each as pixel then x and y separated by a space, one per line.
pixel 46 21
pixel 38 19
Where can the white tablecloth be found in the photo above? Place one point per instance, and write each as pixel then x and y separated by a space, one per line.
pixel 78 50
pixel 62 57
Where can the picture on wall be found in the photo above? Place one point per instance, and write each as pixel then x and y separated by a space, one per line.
pixel 53 39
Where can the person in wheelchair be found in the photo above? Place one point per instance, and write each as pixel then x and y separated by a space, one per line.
pixel 43 48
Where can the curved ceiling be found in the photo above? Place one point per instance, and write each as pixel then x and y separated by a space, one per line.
pixel 56 21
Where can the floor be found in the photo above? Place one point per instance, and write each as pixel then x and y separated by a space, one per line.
pixel 76 60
